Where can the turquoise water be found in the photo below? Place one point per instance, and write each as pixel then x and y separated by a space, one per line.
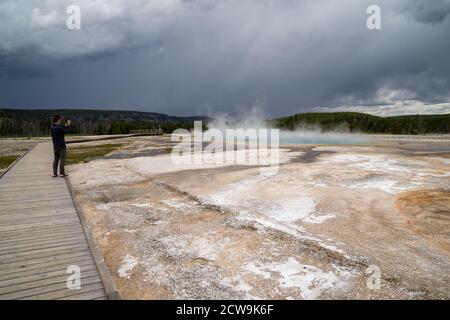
pixel 312 138
pixel 346 139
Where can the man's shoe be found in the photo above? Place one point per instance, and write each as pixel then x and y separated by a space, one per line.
pixel 55 175
pixel 63 175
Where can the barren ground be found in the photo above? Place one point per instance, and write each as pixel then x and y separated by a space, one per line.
pixel 316 229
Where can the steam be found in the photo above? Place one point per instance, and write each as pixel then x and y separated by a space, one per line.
pixel 253 119
pixel 257 119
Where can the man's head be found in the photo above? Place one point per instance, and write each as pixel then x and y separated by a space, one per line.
pixel 57 119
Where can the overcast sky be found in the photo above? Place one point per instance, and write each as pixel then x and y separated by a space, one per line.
pixel 191 57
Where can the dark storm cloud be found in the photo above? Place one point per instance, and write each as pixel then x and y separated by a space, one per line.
pixel 190 57
pixel 426 11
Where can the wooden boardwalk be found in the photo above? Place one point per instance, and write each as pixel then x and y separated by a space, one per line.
pixel 41 234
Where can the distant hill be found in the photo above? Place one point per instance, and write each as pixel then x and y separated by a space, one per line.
pixel 37 122
pixel 361 122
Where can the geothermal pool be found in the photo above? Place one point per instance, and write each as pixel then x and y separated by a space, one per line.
pixel 292 137
pixel 333 218
pixel 316 138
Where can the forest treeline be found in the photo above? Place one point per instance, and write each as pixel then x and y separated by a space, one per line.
pixel 15 122
pixel 365 123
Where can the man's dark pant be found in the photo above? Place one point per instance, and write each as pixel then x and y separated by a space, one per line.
pixel 60 156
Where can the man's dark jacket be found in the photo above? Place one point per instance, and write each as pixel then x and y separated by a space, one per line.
pixel 58 132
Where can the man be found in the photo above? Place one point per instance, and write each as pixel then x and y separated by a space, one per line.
pixel 58 130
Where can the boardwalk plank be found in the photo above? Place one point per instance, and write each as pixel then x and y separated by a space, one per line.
pixel 18 266
pixel 41 268
pixel 14 238
pixel 37 284
pixel 24 227
pixel 32 246
pixel 91 295
pixel 45 275
pixel 87 287
pixel 61 288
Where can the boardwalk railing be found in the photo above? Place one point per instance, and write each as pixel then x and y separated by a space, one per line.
pixel 153 132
